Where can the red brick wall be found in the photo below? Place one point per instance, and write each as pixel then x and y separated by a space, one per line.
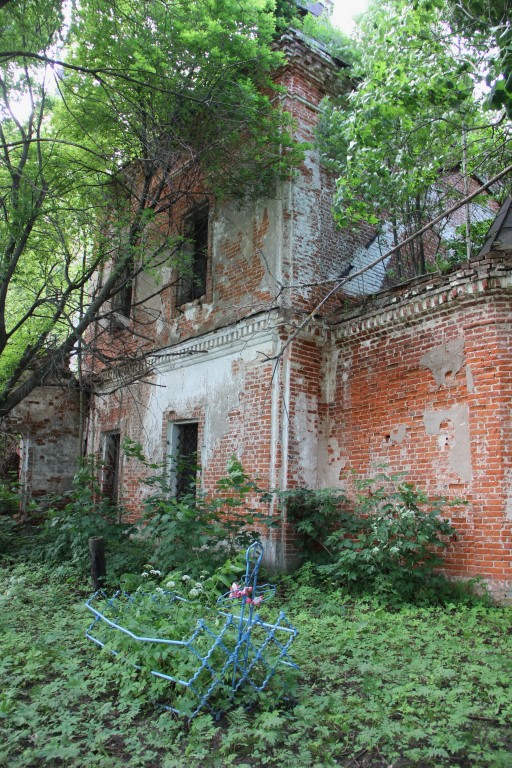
pixel 48 421
pixel 418 380
pixel 452 436
pixel 309 417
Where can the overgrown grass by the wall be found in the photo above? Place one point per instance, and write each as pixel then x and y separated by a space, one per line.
pixel 427 687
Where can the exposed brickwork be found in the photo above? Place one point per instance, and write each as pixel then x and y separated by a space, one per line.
pixel 418 378
pixel 48 424
pixel 424 386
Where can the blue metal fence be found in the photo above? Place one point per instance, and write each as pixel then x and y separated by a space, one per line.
pixel 205 670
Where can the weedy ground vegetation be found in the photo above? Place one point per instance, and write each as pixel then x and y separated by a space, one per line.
pixel 398 668
pixel 379 685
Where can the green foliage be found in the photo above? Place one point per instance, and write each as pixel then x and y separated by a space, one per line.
pixel 84 512
pixel 455 249
pixel 337 43
pixel 7 532
pixel 387 542
pixel 415 687
pixel 95 139
pixel 192 532
pixel 196 530
pixel 390 543
pixel 313 514
pixel 173 607
pixel 286 13
pixel 9 507
pixel 201 65
pixel 413 117
pixel 487 24
pixel 205 591
pixel 9 499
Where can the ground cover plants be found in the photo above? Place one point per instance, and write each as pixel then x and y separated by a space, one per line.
pixel 411 686
pixel 172 532
pixel 398 668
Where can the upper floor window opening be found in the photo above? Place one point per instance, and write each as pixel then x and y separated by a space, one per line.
pixel 192 282
pixel 123 297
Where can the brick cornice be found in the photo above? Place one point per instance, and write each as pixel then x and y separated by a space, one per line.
pixel 247 332
pixel 269 326
pixel 313 62
pixel 428 295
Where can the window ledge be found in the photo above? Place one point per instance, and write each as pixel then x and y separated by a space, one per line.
pixel 119 322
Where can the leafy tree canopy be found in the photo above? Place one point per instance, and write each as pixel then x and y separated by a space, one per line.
pixel 415 114
pixel 489 25
pixel 97 111
pixel 336 42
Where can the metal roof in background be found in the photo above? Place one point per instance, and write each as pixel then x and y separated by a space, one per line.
pixel 499 237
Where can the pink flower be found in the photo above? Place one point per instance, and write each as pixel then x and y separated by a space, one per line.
pixel 236 591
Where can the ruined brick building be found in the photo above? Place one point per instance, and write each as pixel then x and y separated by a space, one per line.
pixel 417 378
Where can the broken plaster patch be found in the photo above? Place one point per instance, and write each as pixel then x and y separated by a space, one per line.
pixel 305 429
pixel 452 426
pixel 469 379
pixel 508 504
pixel 446 360
pixel 398 435
pixel 329 380
pixel 331 462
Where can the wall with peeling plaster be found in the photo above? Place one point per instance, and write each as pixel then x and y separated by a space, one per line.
pixel 418 378
pixel 48 424
pixel 424 387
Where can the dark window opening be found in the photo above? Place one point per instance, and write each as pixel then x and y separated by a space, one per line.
pixel 111 461
pixel 10 449
pixel 123 297
pixel 184 453
pixel 192 283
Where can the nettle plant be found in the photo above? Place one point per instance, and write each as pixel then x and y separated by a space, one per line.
pixel 313 514
pixel 392 538
pixel 195 528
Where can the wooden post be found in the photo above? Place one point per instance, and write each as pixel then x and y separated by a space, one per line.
pixel 98 566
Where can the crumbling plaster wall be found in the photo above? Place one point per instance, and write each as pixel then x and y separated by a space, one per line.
pixel 48 422
pixel 418 379
pixel 423 385
pixel 244 274
pixel 226 382
pixel 247 400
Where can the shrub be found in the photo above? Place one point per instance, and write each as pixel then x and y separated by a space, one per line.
pixel 9 507
pixel 313 514
pixel 393 538
pixel 84 512
pixel 196 531
pixel 7 529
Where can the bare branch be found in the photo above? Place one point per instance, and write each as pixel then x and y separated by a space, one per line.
pixel 340 283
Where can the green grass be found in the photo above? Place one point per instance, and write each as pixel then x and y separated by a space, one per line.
pixel 410 687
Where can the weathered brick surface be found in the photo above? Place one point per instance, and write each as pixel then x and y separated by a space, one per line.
pixel 47 422
pixel 418 378
pixel 424 386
